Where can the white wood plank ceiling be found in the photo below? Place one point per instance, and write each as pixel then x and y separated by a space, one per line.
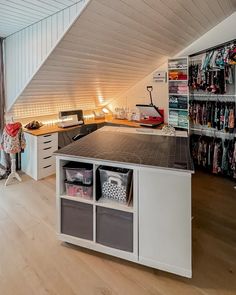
pixel 18 14
pixel 114 44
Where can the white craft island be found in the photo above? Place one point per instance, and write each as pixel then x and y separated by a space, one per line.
pixel 155 228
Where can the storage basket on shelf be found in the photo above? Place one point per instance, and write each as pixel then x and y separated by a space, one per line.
pixel 76 189
pixel 116 183
pixel 79 172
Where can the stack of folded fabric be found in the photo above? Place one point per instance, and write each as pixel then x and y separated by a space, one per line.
pixel 182 76
pixel 173 102
pixel 183 119
pixel 174 75
pixel 182 89
pixel 182 102
pixel 173 88
pixel 173 64
pixel 176 64
pixel 173 118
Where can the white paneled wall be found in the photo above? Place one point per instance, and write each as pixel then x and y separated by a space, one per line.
pixel 15 15
pixel 107 50
pixel 138 94
pixel 27 49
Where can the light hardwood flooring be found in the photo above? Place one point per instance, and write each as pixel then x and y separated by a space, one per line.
pixel 33 261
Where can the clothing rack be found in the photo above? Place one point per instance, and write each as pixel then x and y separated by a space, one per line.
pixel 213 48
pixel 211 132
pixel 208 136
pixel 213 95
pixel 209 99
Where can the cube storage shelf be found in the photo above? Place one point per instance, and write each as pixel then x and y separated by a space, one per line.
pixel 178 92
pixel 154 230
pixel 87 220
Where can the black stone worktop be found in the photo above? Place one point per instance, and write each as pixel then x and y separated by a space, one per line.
pixel 168 152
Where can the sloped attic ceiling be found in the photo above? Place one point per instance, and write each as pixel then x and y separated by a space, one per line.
pixel 111 46
pixel 18 14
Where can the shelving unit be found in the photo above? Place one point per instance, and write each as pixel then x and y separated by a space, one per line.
pixel 97 212
pixel 178 68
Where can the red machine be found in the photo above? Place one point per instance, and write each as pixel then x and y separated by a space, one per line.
pixel 152 115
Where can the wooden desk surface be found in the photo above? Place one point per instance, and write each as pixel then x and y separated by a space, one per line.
pixel 54 128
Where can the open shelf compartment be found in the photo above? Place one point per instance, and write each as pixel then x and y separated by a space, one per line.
pixel 114 187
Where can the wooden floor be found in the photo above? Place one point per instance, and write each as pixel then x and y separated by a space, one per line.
pixel 32 261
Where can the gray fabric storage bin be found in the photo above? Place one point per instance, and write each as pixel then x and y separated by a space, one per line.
pixel 77 219
pixel 114 228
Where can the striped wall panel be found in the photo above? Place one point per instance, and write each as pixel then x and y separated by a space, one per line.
pixel 112 46
pixel 26 50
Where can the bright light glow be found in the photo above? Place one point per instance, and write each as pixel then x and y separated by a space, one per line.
pixel 90 116
pixel 105 110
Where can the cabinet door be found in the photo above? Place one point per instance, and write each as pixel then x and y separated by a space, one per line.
pixel 165 220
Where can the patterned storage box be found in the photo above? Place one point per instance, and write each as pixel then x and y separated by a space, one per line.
pixel 115 183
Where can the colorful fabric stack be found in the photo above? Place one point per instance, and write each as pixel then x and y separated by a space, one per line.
pixel 178 89
pixel 173 118
pixel 177 75
pixel 173 102
pixel 182 119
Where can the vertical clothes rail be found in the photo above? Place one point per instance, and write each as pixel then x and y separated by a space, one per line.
pixel 212 109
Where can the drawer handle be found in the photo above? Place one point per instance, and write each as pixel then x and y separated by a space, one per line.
pixel 47 157
pixel 47 141
pixel 47 166
pixel 47 148
pixel 47 135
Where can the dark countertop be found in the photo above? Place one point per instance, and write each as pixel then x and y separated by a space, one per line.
pixel 167 152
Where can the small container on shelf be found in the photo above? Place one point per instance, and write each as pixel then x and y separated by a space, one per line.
pixel 115 184
pixel 74 189
pixel 80 172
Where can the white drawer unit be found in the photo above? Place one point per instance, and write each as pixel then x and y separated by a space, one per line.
pixel 37 160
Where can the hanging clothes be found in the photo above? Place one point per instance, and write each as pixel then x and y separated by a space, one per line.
pixel 213 73
pixel 218 115
pixel 214 154
pixel 13 140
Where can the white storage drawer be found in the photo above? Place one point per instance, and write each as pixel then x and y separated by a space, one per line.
pixel 38 160
pixel 46 153
pixel 46 162
pixel 47 170
pixel 47 147
pixel 50 137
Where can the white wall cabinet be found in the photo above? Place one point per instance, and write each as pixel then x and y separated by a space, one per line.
pixel 37 160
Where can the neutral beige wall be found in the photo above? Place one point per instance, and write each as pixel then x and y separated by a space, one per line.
pixel 138 94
